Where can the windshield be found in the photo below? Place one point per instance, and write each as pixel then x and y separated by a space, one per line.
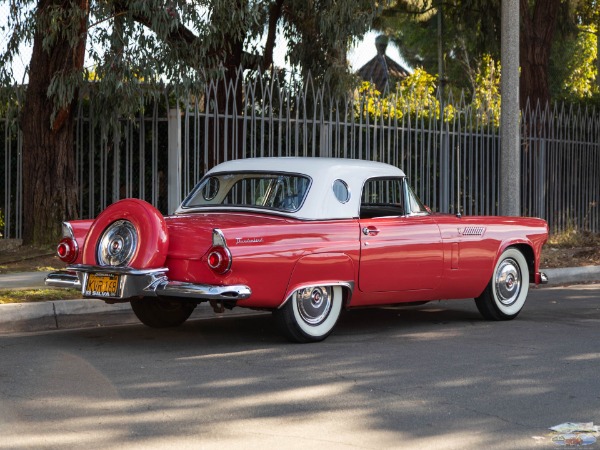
pixel 273 191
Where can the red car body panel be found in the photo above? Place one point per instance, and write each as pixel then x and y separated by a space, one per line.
pixel 413 258
pixel 266 251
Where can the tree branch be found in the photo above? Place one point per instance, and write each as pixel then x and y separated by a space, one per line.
pixel 274 15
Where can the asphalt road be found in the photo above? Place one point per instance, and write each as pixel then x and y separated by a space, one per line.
pixel 435 376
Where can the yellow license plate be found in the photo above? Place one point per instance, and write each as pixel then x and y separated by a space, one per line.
pixel 102 285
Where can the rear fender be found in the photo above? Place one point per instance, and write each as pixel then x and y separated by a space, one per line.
pixel 322 269
pixel 78 229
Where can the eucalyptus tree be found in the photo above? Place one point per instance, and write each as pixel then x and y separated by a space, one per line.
pixel 470 29
pixel 453 34
pixel 128 48
pixel 588 15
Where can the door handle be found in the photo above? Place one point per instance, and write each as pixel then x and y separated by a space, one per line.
pixel 370 231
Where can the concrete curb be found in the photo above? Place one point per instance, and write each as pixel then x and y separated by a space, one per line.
pixel 85 313
pixel 60 314
pixel 63 314
pixel 573 275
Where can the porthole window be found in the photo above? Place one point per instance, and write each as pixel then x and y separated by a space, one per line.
pixel 341 191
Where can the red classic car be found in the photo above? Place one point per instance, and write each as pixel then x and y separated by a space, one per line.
pixel 303 238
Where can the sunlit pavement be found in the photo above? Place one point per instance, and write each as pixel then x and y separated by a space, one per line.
pixel 435 376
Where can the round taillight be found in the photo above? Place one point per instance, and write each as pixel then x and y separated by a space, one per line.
pixel 219 259
pixel 67 250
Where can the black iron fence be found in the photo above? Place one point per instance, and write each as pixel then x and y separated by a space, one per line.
pixel 451 154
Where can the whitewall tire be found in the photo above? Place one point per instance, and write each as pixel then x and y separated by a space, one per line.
pixel 310 313
pixel 505 294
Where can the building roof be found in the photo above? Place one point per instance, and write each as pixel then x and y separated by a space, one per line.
pixel 382 70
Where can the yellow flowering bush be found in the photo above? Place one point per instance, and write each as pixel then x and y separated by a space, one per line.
pixel 487 91
pixel 415 95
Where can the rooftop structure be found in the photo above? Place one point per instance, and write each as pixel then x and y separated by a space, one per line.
pixel 382 70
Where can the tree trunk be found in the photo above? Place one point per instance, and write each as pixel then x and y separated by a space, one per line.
pixel 49 172
pixel 538 23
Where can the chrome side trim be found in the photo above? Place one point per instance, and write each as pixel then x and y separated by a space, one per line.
pixel 204 291
pixel 67 230
pixel 146 283
pixel 218 238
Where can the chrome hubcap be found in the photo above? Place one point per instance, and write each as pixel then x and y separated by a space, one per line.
pixel 314 304
pixel 117 244
pixel 508 282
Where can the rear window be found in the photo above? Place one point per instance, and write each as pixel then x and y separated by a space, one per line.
pixel 272 191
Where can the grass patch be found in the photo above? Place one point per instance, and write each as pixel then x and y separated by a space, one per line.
pixel 37 295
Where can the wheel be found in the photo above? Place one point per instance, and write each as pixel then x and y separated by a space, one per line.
pixel 310 314
pixel 505 295
pixel 159 313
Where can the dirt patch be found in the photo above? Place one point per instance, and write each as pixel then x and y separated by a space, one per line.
pixel 29 259
pixel 554 258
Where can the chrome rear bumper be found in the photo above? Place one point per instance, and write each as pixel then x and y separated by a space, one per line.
pixel 144 283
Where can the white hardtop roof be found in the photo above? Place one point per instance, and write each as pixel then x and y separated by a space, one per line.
pixel 321 202
pixel 312 167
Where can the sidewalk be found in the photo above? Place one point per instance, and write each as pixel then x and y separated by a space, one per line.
pixel 63 314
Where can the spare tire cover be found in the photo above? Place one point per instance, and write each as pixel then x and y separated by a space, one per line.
pixel 151 228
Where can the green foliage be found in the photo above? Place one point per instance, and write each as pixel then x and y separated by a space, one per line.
pixel 487 90
pixel 470 29
pixel 135 48
pixel 18 27
pixel 471 33
pixel 1 222
pixel 319 34
pixel 580 77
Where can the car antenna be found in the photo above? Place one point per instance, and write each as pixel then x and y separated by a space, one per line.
pixel 458 214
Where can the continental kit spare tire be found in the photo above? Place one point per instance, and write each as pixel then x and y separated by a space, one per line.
pixel 129 233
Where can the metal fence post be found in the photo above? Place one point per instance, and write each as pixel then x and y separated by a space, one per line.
pixel 174 169
pixel 541 180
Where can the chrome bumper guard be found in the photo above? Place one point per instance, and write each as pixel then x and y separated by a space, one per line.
pixel 145 283
pixel 543 278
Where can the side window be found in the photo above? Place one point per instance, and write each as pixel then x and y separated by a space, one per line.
pixel 415 206
pixel 382 197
